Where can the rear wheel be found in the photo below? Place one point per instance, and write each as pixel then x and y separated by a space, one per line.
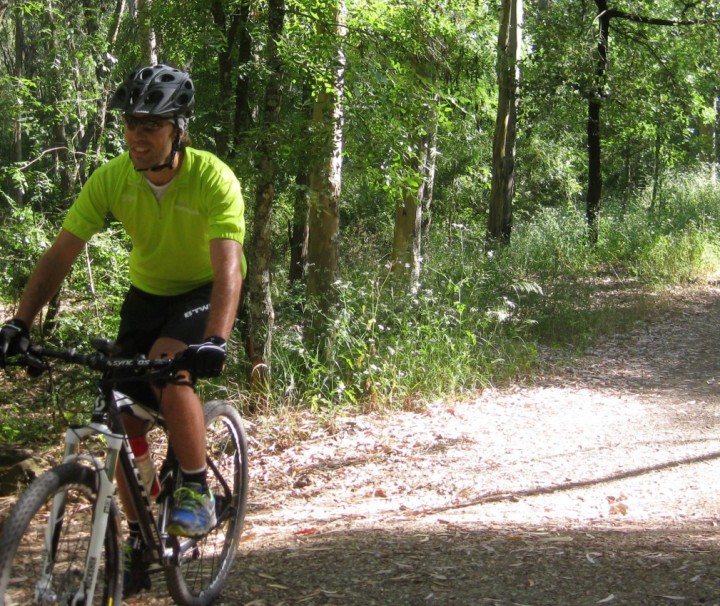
pixel 203 564
pixel 25 553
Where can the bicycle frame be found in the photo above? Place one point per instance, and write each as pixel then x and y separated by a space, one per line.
pixel 105 422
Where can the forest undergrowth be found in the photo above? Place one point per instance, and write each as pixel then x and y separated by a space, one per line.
pixel 477 318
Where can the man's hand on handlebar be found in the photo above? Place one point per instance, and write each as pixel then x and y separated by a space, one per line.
pixel 204 359
pixel 14 340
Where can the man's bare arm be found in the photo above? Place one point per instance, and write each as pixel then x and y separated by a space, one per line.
pixel 225 256
pixel 48 275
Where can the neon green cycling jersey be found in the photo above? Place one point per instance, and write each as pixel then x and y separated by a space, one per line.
pixel 170 238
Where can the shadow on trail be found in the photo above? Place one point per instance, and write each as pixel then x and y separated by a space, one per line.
pixel 544 490
pixel 471 565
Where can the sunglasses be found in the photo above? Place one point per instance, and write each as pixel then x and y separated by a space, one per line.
pixel 146 125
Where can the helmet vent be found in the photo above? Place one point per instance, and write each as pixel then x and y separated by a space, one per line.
pixel 154 97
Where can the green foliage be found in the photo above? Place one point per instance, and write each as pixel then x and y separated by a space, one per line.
pixel 551 244
pixel 390 348
pixel 479 316
pixel 553 172
pixel 95 289
pixel 458 332
pixel 25 234
pixel 679 257
pixel 91 297
pixel 37 410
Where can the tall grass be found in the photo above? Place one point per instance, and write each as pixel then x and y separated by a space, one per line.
pixel 390 346
pixel 674 241
pixel 480 315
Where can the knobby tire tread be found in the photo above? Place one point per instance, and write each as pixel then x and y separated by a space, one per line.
pixel 180 588
pixel 32 500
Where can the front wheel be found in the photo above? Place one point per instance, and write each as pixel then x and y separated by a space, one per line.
pixel 43 563
pixel 205 563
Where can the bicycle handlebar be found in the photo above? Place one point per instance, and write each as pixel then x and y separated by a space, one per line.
pixel 100 360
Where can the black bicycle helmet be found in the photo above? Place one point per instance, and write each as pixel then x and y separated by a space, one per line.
pixel 156 90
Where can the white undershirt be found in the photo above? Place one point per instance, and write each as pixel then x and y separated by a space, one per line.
pixel 158 190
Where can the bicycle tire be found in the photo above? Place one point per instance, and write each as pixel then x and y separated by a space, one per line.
pixel 198 577
pixel 21 542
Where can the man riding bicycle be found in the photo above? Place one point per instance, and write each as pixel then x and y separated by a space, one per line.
pixel 183 211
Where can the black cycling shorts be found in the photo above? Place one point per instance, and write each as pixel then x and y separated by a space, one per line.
pixel 144 318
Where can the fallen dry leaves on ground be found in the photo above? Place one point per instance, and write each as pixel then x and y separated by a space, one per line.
pixel 593 484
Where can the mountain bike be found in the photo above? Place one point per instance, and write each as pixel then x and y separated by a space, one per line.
pixel 62 541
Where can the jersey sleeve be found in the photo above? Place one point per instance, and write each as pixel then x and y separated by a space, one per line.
pixel 226 218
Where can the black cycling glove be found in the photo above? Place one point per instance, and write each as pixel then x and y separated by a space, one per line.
pixel 14 340
pixel 205 359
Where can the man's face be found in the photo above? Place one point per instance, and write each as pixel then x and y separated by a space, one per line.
pixel 149 140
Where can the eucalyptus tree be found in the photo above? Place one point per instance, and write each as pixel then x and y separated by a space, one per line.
pixel 298 223
pixel 325 183
pixel 262 314
pixel 508 74
pixel 15 63
pixel 633 99
pixel 414 90
pixel 55 83
pixel 146 32
pixel 234 50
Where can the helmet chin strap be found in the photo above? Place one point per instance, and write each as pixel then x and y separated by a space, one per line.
pixel 158 167
pixel 170 164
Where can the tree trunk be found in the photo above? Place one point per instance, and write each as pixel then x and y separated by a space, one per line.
pixel 298 228
pixel 324 227
pixel 146 32
pixel 324 211
pixel 411 220
pixel 595 181
pixel 708 142
pixel 502 188
pixel 430 164
pixel 716 139
pixel 407 236
pixel 65 166
pixel 225 65
pixel 262 314
pixel 234 115
pixel 17 148
pixel 657 162
pixel 93 135
pixel 3 8
pixel 243 114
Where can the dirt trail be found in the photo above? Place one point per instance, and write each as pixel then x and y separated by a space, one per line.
pixel 594 485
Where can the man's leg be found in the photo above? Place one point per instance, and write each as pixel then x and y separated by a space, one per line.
pixel 135 578
pixel 194 512
pixel 134 427
pixel 183 412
